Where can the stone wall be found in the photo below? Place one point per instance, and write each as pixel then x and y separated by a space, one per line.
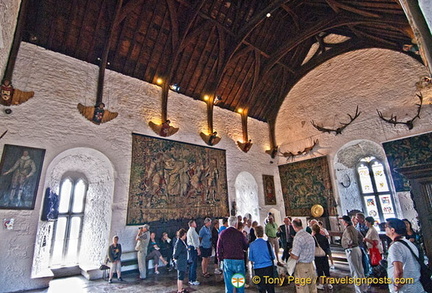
pixel 51 121
pixel 372 79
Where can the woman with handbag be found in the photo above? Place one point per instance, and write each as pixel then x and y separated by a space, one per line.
pixel 262 257
pixel 321 260
pixel 373 242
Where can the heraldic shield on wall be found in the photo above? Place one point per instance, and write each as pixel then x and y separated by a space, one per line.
pixel 173 180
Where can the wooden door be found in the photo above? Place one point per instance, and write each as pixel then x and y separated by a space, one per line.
pixel 420 177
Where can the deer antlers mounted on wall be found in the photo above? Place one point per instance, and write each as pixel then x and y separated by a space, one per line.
pixel 340 129
pixel 290 155
pixel 409 123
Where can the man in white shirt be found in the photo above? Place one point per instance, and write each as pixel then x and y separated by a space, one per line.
pixel 401 262
pixel 303 251
pixel 194 250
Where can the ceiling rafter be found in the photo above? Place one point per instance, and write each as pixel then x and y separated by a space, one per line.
pixel 337 5
pixel 127 9
pixel 325 24
pixel 293 15
pixel 142 51
pixel 98 28
pixel 362 33
pixel 347 46
pixel 208 46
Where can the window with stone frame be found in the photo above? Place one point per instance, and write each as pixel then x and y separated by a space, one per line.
pixel 67 229
pixel 374 187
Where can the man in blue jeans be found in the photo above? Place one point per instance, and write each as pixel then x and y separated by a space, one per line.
pixel 194 250
pixel 230 249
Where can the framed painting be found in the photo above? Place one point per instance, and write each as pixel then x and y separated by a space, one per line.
pixel 305 184
pixel 20 171
pixel 269 190
pixel 172 180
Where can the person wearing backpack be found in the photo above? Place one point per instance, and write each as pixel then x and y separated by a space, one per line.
pixel 402 264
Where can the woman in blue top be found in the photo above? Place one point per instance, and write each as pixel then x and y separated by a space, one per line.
pixel 205 237
pixel 262 256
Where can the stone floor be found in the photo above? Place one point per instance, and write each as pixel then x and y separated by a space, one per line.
pixel 166 283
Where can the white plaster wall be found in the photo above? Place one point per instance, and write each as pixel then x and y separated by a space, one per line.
pixel 8 18
pixel 372 79
pixel 50 120
pixel 247 196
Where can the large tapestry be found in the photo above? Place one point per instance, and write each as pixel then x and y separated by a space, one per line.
pixel 172 180
pixel 305 184
pixel 407 152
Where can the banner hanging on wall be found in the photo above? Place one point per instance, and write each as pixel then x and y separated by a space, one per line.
pixel 173 180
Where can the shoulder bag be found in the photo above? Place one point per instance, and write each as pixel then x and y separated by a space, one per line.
pixel 275 272
pixel 375 255
pixel 319 252
pixel 425 271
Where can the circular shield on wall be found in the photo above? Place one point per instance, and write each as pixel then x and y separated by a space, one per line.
pixel 317 210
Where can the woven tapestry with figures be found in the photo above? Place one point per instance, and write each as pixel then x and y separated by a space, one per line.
pixel 415 150
pixel 305 184
pixel 172 180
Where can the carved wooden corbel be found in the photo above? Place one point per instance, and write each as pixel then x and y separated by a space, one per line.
pixel 97 113
pixel 247 143
pixel 273 147
pixel 164 129
pixel 211 138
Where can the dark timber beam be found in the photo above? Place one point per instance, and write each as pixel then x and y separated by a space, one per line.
pixel 104 58
pixel 13 53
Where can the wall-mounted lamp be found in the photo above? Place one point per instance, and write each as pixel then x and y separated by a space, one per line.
pixel 272 152
pixel 175 87
pixel 217 99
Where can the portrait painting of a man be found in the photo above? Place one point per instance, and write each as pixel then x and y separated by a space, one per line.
pixel 20 171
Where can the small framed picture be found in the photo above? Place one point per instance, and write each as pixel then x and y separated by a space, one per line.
pixel 20 171
pixel 269 190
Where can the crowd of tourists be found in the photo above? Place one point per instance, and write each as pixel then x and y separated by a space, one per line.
pixel 236 241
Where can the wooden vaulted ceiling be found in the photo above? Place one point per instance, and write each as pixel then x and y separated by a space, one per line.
pixel 248 52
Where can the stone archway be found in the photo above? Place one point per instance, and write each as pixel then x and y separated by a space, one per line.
pixel 246 189
pixel 345 163
pixel 99 172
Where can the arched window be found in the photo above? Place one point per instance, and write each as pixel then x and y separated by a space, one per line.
pixel 375 189
pixel 67 229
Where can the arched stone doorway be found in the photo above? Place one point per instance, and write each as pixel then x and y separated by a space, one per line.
pixel 246 189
